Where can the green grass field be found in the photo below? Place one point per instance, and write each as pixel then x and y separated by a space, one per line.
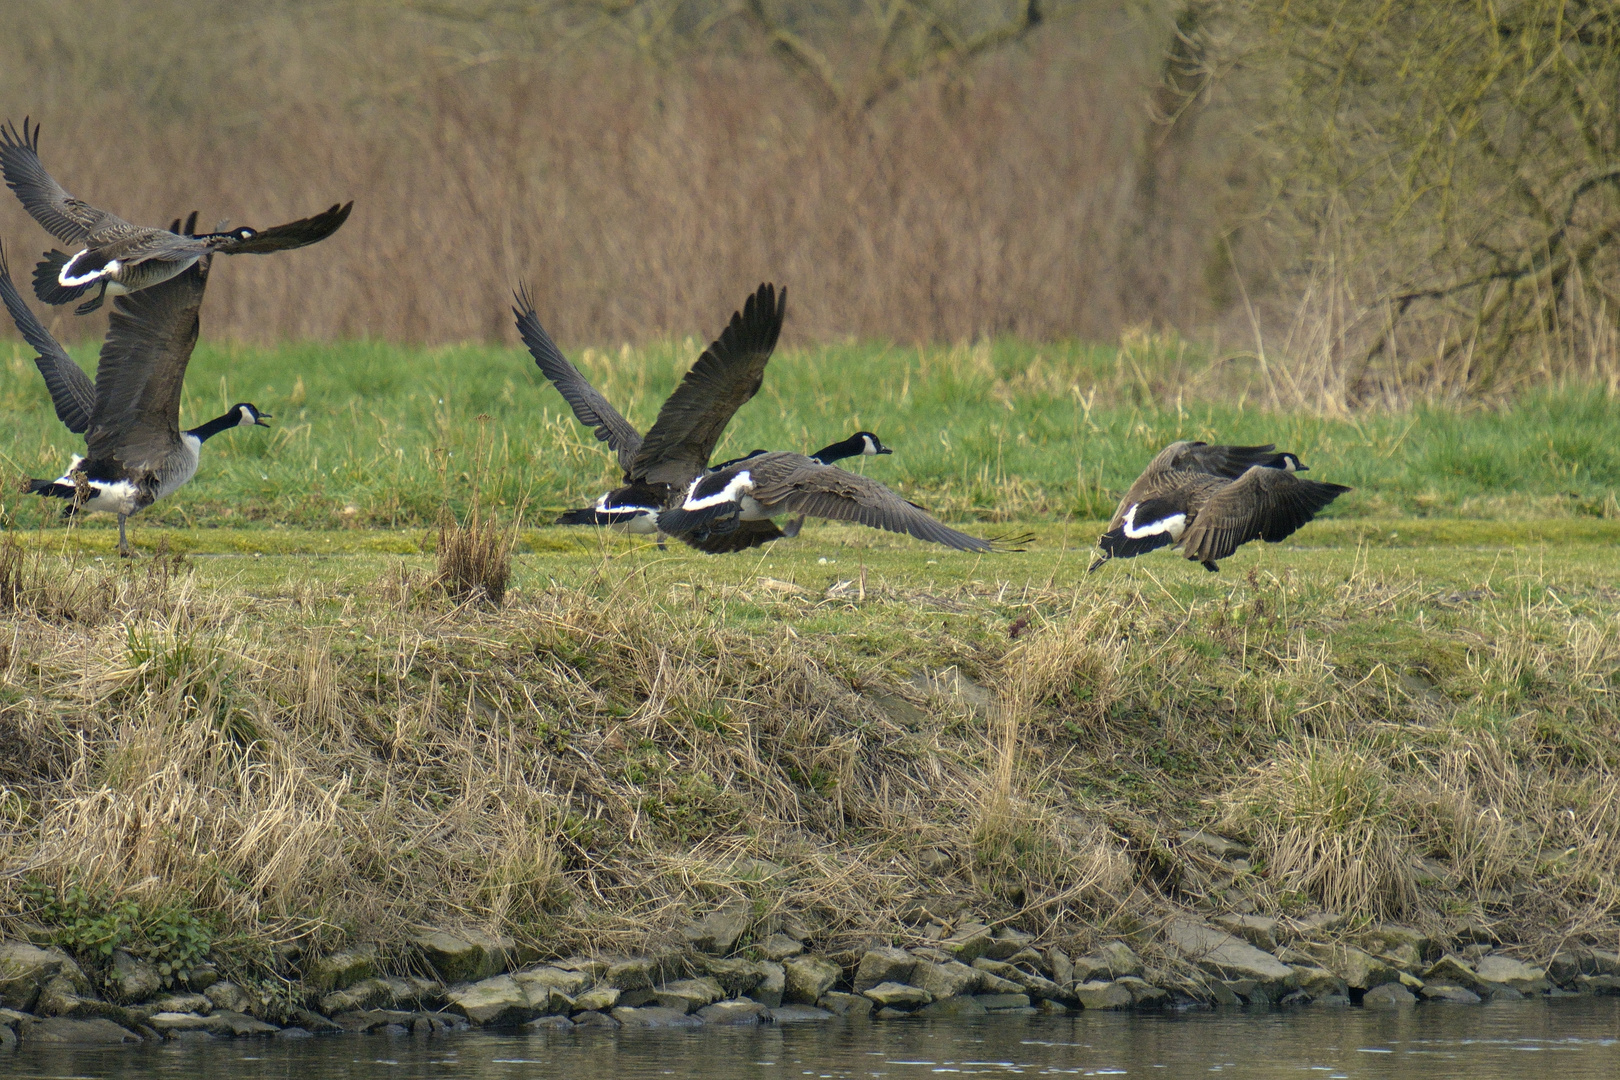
pixel 374 435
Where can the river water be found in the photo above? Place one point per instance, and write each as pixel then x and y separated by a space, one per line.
pixel 1572 1039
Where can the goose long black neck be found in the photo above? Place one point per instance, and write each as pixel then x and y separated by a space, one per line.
pixel 216 425
pixel 854 446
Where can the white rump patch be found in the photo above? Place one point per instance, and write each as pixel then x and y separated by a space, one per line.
pixel 1175 525
pixel 66 276
pixel 645 523
pixel 734 487
pixel 114 498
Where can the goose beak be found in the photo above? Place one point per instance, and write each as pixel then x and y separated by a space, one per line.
pixel 884 450
pixel 1098 561
pixel 1302 467
pixel 259 420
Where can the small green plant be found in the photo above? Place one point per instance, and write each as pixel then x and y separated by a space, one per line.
pixel 91 921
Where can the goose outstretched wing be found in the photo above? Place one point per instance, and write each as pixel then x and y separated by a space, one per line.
pixel 678 445
pixel 60 214
pixel 72 392
pixel 590 407
pixel 796 484
pixel 1262 504
pixel 294 234
pixel 143 367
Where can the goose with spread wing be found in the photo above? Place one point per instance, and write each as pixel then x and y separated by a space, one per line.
pixel 688 426
pixel 1211 500
pixel 135 452
pixel 768 485
pixel 115 255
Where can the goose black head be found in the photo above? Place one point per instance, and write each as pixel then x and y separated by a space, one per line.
pixel 249 415
pixel 1289 463
pixel 870 443
pixel 860 444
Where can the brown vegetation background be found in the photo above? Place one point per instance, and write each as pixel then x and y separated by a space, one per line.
pixel 642 191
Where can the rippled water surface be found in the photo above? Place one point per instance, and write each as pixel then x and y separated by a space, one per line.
pixel 1569 1040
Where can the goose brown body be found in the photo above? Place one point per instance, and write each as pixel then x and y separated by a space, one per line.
pixel 135 450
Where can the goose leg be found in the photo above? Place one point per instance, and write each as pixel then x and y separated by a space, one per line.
pixel 93 303
pixel 1211 567
pixel 123 541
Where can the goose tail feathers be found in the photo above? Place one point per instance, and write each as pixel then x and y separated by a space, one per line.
pixel 47 280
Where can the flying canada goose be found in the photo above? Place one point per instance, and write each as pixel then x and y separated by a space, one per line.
pixel 120 257
pixel 135 450
pixel 688 425
pixel 663 470
pixel 644 519
pixel 766 485
pixel 1210 500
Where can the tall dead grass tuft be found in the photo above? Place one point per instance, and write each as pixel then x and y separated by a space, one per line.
pixel 474 556
pixel 1328 821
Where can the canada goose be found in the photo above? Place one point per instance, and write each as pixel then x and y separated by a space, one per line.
pixel 135 450
pixel 118 256
pixel 765 485
pixel 628 516
pixel 1210 500
pixel 659 465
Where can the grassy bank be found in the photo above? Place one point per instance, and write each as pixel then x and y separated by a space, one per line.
pixel 369 435
pixel 282 747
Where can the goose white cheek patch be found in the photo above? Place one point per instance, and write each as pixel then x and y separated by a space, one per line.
pixel 1175 525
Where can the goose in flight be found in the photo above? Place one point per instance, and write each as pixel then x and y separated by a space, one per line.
pixel 677 447
pixel 1210 500
pixel 135 452
pixel 643 519
pixel 114 254
pixel 767 485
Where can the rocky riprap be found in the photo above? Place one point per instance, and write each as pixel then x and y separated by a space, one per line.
pixel 967 969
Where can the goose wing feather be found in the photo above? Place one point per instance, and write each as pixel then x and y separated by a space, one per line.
pixel 678 445
pixel 793 483
pixel 72 392
pixel 68 219
pixel 294 234
pixel 1262 504
pixel 143 367
pixel 1228 461
pixel 590 407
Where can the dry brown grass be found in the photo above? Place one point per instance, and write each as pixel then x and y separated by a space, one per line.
pixel 593 763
